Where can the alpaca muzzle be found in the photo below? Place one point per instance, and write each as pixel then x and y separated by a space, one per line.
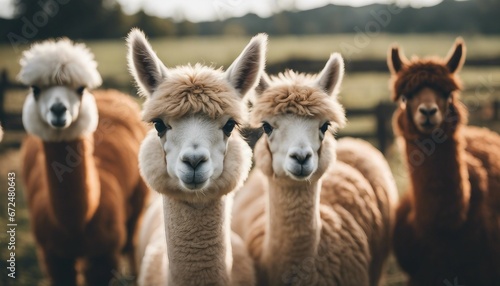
pixel 58 115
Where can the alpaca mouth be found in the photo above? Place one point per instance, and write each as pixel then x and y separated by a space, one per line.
pixel 58 122
pixel 195 186
pixel 194 183
pixel 427 124
pixel 300 173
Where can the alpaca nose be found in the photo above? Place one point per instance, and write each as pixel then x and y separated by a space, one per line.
pixel 58 109
pixel 428 111
pixel 301 156
pixel 194 160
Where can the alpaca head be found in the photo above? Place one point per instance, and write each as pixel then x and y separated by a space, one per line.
pixel 296 112
pixel 59 106
pixel 427 89
pixel 195 151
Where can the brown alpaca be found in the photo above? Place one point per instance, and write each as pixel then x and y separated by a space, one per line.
pixel 448 225
pixel 82 183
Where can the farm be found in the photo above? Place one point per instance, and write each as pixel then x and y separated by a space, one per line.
pixel 360 90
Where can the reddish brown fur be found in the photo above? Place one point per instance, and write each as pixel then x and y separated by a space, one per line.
pixel 430 72
pixel 92 213
pixel 448 225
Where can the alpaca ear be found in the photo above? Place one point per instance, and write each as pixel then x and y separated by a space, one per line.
pixel 456 56
pixel 144 65
pixel 263 84
pixel 331 76
pixel 246 70
pixel 396 59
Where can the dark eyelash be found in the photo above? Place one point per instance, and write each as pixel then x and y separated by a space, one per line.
pixel 268 129
pixel 229 127
pixel 324 127
pixel 160 126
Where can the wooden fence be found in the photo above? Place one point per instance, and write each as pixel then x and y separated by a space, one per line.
pixel 9 120
pixel 381 113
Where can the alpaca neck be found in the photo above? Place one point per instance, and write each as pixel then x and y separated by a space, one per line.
pixel 441 189
pixel 198 242
pixel 73 182
pixel 293 228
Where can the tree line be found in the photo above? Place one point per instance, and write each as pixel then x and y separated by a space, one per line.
pixel 99 19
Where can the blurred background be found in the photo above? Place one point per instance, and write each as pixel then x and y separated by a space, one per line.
pixel 302 35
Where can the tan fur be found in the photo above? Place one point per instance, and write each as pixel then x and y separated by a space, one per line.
pixel 355 152
pixel 332 229
pixel 92 213
pixel 191 90
pixel 293 93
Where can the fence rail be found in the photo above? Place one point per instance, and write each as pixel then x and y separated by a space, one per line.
pixel 382 114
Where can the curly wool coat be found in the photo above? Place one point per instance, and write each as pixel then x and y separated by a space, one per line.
pixel 334 228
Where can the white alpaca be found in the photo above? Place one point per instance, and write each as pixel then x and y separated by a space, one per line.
pixel 194 159
pixel 60 108
pixel 83 188
pixel 306 218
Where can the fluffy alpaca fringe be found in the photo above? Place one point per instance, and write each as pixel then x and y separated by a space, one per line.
pixel 297 93
pixel 59 62
pixel 418 73
pixel 194 89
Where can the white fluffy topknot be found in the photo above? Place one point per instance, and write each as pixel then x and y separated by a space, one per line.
pixel 59 62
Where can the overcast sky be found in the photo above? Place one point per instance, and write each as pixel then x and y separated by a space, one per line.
pixel 206 10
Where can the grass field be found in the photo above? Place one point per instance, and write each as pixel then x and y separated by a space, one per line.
pixel 359 90
pixel 111 54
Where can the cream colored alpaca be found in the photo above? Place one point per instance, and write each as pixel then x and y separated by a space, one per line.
pixel 306 218
pixel 195 160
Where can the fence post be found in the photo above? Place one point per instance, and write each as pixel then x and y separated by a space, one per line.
pixel 381 128
pixel 3 88
pixel 383 113
pixel 496 107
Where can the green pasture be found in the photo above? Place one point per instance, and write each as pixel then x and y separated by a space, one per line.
pixel 220 51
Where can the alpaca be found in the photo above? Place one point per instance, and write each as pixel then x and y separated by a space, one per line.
pixel 83 188
pixel 448 224
pixel 306 217
pixel 195 159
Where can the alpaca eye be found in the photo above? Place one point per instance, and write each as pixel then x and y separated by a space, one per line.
pixel 324 127
pixel 36 90
pixel 228 127
pixel 80 90
pixel 160 127
pixel 268 129
pixel 403 98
